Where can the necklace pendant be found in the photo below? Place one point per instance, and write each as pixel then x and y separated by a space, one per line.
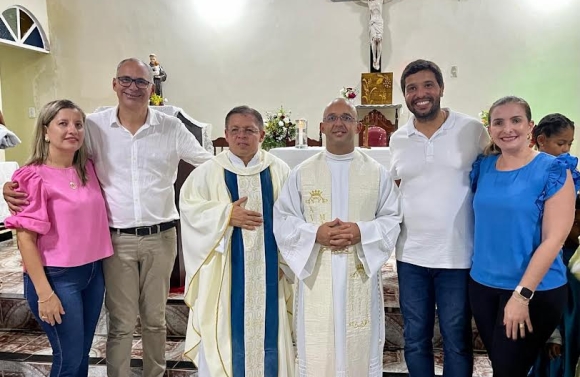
pixel 72 185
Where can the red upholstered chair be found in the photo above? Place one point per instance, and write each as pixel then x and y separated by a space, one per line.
pixel 376 119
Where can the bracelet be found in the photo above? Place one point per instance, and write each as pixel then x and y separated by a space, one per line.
pixel 520 298
pixel 48 298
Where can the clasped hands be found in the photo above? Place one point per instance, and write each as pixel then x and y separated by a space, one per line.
pixel 338 234
pixel 244 218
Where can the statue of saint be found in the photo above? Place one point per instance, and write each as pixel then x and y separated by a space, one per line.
pixel 159 74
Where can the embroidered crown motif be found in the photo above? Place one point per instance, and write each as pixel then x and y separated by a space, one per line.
pixel 316 197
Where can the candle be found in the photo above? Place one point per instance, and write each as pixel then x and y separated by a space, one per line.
pixel 300 125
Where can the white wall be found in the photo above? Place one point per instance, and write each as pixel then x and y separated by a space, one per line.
pixel 299 53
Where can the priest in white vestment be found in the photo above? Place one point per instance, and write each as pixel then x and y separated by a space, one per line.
pixel 336 222
pixel 239 324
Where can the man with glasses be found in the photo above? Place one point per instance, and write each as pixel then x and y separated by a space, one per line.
pixel 238 323
pixel 136 151
pixel 336 222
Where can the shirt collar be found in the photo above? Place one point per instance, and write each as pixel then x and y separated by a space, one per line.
pixel 449 122
pixel 236 161
pixel 152 118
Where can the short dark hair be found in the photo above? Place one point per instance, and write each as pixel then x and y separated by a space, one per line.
pixel 418 66
pixel 551 124
pixel 246 110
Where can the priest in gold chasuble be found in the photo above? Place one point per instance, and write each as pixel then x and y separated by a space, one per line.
pixel 239 324
pixel 336 222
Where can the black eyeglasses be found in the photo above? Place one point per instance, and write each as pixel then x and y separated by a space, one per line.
pixel 126 81
pixel 333 118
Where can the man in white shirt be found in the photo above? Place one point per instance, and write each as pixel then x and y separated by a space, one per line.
pixel 431 157
pixel 238 323
pixel 336 222
pixel 136 151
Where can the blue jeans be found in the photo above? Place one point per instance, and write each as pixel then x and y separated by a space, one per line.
pixel 81 291
pixel 421 289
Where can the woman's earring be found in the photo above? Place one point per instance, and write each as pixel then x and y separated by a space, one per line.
pixel 46 138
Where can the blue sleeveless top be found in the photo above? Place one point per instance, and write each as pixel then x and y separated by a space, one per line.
pixel 508 208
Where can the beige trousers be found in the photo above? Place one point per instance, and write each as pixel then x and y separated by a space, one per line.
pixel 137 282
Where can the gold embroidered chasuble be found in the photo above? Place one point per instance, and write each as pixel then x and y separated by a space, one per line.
pixel 206 206
pixel 318 317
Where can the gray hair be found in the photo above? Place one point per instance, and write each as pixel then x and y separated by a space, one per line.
pixel 138 61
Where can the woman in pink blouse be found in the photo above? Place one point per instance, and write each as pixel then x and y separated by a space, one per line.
pixel 63 235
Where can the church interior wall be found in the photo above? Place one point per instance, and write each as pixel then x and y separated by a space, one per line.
pixel 298 54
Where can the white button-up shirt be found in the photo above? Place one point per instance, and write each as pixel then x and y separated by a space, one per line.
pixel 437 227
pixel 137 172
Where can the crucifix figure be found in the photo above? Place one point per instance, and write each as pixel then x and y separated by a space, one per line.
pixel 376 33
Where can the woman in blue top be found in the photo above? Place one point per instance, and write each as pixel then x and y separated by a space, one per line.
pixel 524 210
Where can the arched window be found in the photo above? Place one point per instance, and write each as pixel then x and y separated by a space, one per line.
pixel 19 28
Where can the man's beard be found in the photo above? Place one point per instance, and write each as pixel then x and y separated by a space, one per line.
pixel 431 115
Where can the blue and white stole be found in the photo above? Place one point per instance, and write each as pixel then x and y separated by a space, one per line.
pixel 254 281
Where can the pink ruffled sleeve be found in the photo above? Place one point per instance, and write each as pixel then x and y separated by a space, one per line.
pixel 34 216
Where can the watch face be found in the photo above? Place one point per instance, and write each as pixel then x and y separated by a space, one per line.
pixel 526 293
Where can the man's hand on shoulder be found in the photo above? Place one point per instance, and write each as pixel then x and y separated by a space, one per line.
pixel 244 218
pixel 15 199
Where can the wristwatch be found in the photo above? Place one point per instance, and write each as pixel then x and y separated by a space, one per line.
pixel 525 292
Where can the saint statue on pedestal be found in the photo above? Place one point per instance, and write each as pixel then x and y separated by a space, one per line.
pixel 159 74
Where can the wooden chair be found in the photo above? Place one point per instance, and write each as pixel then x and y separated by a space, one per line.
pixel 377 119
pixel 219 145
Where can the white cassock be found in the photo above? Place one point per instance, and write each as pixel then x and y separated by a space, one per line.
pixel 296 237
pixel 238 323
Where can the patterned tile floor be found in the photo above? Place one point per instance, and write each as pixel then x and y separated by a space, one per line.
pixel 36 344
pixel 33 346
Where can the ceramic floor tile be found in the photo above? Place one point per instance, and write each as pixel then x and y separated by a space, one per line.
pixel 174 350
pixel 23 369
pixel 137 349
pixel 16 315
pixel 12 342
pixel 38 346
pixel 176 319
pixel 98 348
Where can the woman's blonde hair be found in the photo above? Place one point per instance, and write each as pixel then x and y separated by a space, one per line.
pixel 40 147
pixel 492 148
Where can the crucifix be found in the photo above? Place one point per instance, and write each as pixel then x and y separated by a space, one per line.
pixel 376 33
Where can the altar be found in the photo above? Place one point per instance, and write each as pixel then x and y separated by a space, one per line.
pixel 294 156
